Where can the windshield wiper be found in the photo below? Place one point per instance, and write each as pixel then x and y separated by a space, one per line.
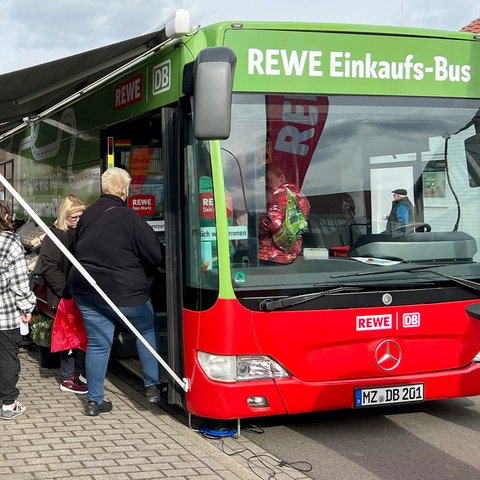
pixel 268 304
pixel 418 268
pixel 389 270
pixel 462 281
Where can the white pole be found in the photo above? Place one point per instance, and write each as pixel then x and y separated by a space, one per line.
pixel 183 383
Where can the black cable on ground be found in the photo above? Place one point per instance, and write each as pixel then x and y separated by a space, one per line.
pixel 218 436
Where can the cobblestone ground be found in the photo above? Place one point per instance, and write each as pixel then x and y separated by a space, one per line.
pixel 54 440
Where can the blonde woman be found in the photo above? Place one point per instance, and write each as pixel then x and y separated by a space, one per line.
pixel 68 332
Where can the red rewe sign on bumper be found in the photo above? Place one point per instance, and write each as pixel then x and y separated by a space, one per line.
pixel 143 204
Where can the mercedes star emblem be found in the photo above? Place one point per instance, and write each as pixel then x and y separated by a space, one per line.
pixel 388 355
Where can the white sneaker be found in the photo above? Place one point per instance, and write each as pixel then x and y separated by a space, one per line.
pixel 13 410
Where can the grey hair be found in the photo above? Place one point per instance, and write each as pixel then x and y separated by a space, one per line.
pixel 116 181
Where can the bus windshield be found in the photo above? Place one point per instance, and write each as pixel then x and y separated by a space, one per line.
pixel 380 180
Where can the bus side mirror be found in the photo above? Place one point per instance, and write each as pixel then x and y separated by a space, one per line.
pixel 213 73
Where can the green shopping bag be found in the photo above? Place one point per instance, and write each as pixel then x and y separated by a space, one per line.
pixel 293 225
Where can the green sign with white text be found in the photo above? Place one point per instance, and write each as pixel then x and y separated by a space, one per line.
pixel 349 63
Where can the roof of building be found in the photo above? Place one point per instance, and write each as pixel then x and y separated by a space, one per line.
pixel 473 27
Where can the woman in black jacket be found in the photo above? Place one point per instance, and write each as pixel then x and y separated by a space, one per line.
pixel 55 267
pixel 120 250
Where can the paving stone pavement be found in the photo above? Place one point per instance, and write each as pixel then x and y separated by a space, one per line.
pixel 55 440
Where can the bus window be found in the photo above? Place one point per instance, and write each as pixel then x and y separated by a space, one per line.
pixel 472 150
pixel 237 208
pixel 348 179
pixel 200 239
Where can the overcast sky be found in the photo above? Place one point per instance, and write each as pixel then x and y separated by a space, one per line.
pixel 37 31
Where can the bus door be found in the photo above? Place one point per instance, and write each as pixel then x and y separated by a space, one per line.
pixel 143 146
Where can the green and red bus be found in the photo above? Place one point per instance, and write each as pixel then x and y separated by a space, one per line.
pixel 364 316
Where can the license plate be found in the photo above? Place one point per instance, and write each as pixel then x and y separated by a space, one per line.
pixel 367 397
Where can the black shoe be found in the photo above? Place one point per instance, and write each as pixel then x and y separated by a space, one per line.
pixel 93 408
pixel 152 394
pixel 156 393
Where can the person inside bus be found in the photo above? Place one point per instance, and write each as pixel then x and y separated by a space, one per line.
pixel 68 334
pixel 271 221
pixel 401 213
pixel 120 250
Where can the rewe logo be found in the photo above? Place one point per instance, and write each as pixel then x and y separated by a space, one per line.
pixel 374 322
pixel 162 77
pixel 128 92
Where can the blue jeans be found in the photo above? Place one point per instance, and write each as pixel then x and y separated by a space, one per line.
pixel 99 320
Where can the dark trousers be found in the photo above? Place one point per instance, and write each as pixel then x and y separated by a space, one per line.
pixel 9 365
pixel 67 363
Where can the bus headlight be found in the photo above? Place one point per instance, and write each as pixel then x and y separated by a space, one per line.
pixel 476 358
pixel 232 368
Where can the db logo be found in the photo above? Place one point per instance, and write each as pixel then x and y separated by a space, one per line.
pixel 161 77
pixel 411 320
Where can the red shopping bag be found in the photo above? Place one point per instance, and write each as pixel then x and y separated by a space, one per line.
pixel 68 330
